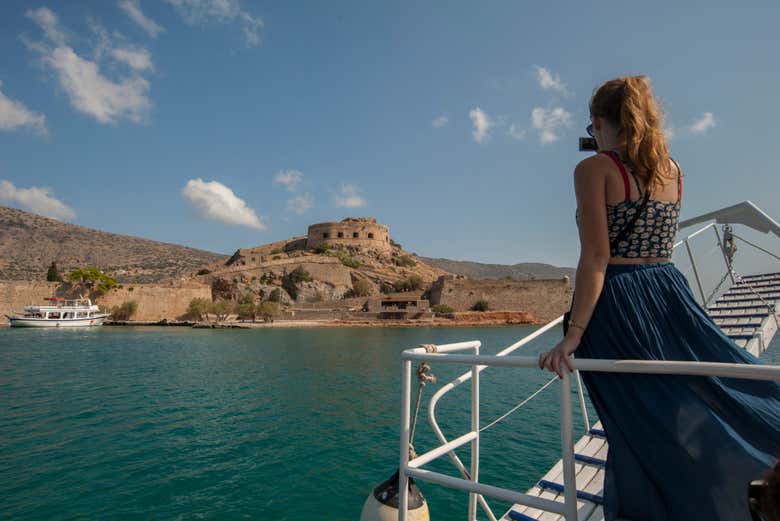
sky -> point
(222, 124)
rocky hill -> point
(29, 243)
(324, 275)
(519, 271)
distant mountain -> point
(520, 271)
(30, 242)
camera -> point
(588, 144)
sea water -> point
(178, 423)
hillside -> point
(30, 242)
(520, 271)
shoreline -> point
(299, 324)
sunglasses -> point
(589, 130)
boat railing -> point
(745, 213)
(447, 354)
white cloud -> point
(349, 197)
(35, 199)
(549, 122)
(515, 132)
(14, 115)
(137, 59)
(218, 202)
(300, 204)
(549, 81)
(482, 124)
(440, 121)
(290, 179)
(669, 131)
(224, 12)
(133, 10)
(701, 125)
(89, 90)
(47, 21)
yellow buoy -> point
(382, 503)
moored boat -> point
(60, 313)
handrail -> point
(568, 508)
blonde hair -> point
(628, 103)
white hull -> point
(52, 322)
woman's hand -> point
(555, 358)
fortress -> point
(364, 232)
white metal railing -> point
(444, 355)
(470, 481)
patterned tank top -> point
(654, 230)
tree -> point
(222, 309)
(92, 277)
(246, 308)
(442, 309)
(52, 275)
(199, 308)
(268, 310)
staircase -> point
(747, 312)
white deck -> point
(590, 478)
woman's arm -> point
(590, 189)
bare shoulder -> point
(592, 168)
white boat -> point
(60, 313)
(746, 309)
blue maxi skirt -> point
(680, 447)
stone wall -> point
(365, 233)
(544, 299)
(325, 269)
(155, 302)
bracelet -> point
(574, 324)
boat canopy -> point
(745, 213)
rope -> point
(516, 407)
(423, 376)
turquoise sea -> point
(176, 423)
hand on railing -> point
(555, 358)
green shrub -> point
(291, 280)
(386, 287)
(349, 261)
(411, 283)
(480, 305)
(442, 308)
(275, 295)
(321, 248)
(124, 311)
(204, 271)
(404, 261)
(277, 250)
(395, 244)
(361, 288)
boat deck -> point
(591, 454)
(745, 313)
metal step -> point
(587, 496)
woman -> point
(680, 447)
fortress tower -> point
(355, 231)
